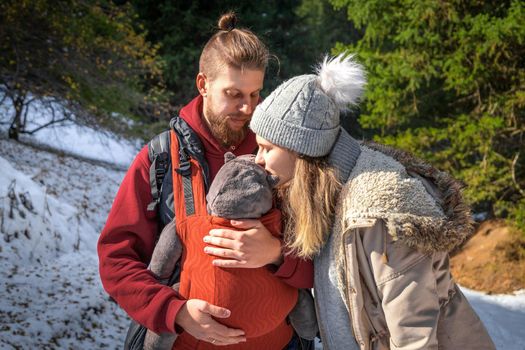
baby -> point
(259, 302)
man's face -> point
(229, 101)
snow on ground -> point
(52, 208)
(503, 316)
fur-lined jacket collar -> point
(392, 185)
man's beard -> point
(219, 129)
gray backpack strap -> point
(159, 156)
(185, 170)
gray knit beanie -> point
(242, 189)
(302, 114)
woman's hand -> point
(195, 317)
(253, 247)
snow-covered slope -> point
(52, 209)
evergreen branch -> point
(513, 169)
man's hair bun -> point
(227, 21)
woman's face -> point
(276, 160)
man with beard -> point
(231, 76)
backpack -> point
(160, 172)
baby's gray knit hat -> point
(302, 114)
(242, 189)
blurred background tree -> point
(83, 57)
(447, 82)
(297, 32)
(102, 59)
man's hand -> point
(251, 248)
(196, 319)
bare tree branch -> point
(53, 121)
(513, 169)
(23, 120)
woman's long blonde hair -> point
(309, 201)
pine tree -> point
(447, 81)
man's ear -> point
(202, 84)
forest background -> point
(446, 78)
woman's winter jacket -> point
(382, 281)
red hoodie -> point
(127, 241)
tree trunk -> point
(16, 127)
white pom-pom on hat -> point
(342, 78)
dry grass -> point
(493, 260)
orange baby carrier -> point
(259, 302)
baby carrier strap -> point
(189, 193)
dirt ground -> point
(492, 261)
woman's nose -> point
(259, 159)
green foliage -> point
(297, 32)
(447, 81)
(87, 54)
(517, 213)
